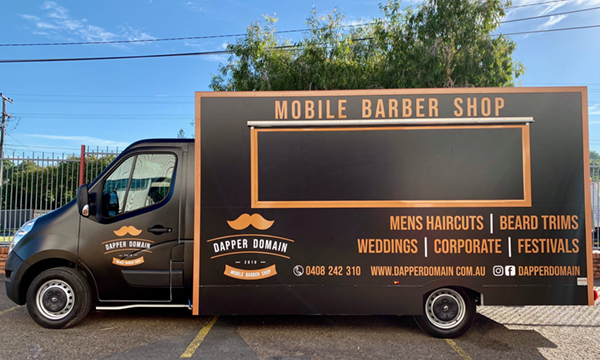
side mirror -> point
(110, 203)
(82, 200)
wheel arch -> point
(48, 260)
(473, 289)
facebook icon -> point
(510, 270)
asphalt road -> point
(557, 332)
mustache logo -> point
(246, 220)
(131, 230)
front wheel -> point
(59, 298)
(448, 313)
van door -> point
(127, 245)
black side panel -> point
(336, 165)
(188, 272)
(534, 295)
(146, 278)
(310, 300)
(177, 278)
(187, 201)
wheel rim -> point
(55, 299)
(445, 308)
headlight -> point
(21, 232)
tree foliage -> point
(440, 43)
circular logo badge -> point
(298, 270)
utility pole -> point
(3, 129)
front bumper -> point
(15, 268)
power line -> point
(218, 52)
(223, 52)
(202, 53)
(580, 83)
(43, 147)
(204, 37)
(42, 101)
(562, 83)
(127, 41)
(105, 115)
(112, 96)
(549, 15)
(547, 30)
(159, 40)
(542, 3)
(112, 118)
(19, 142)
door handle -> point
(159, 229)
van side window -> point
(115, 187)
(140, 181)
(151, 180)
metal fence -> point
(595, 193)
(33, 184)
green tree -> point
(440, 43)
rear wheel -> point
(59, 298)
(448, 313)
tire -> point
(448, 313)
(59, 298)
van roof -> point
(146, 142)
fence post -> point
(82, 166)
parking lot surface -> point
(531, 332)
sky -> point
(59, 106)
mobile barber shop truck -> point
(421, 202)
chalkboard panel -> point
(396, 167)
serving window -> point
(393, 167)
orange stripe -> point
(253, 166)
(197, 189)
(323, 204)
(588, 196)
(429, 127)
(526, 165)
(438, 91)
(389, 203)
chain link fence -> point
(35, 183)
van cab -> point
(141, 204)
